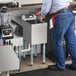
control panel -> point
(7, 33)
(29, 16)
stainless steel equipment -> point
(5, 23)
(7, 32)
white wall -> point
(4, 1)
(21, 2)
(71, 0)
(28, 1)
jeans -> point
(64, 27)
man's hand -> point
(38, 13)
(42, 18)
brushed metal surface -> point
(8, 59)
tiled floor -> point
(25, 64)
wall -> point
(4, 1)
(21, 2)
(71, 0)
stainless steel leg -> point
(36, 50)
(19, 54)
(24, 53)
(43, 53)
(31, 57)
(8, 73)
(0, 73)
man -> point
(63, 27)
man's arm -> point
(46, 7)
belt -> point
(63, 10)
